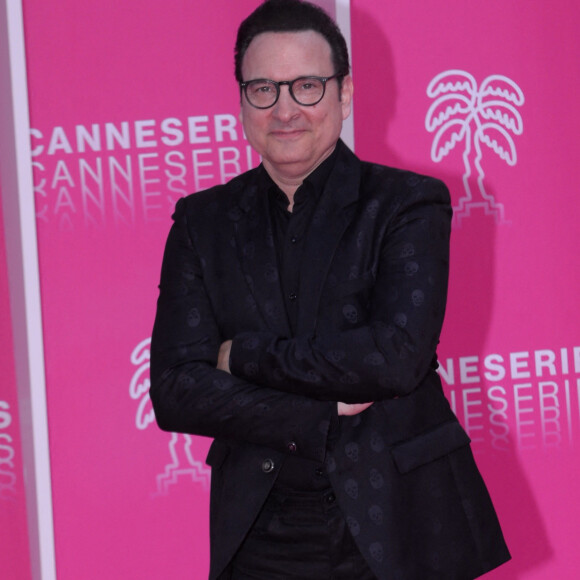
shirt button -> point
(330, 498)
(292, 295)
(293, 239)
(292, 447)
(319, 472)
(267, 466)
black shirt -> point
(290, 231)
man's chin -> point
(287, 153)
(287, 160)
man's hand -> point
(223, 362)
(354, 409)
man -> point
(299, 312)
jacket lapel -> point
(331, 218)
(257, 255)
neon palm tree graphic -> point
(487, 115)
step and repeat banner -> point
(133, 104)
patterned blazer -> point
(371, 303)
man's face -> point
(293, 139)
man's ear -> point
(346, 91)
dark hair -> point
(291, 16)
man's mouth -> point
(287, 133)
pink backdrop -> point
(510, 353)
(122, 127)
(13, 528)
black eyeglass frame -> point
(278, 84)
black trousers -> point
(300, 536)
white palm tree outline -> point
(183, 462)
(487, 115)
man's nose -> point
(286, 107)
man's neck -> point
(288, 185)
(289, 182)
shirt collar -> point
(312, 187)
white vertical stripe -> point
(343, 21)
(22, 259)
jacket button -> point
(292, 447)
(267, 465)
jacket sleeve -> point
(190, 395)
(387, 350)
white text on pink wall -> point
(122, 173)
(530, 399)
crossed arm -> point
(194, 390)
(343, 409)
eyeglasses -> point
(306, 91)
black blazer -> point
(371, 303)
